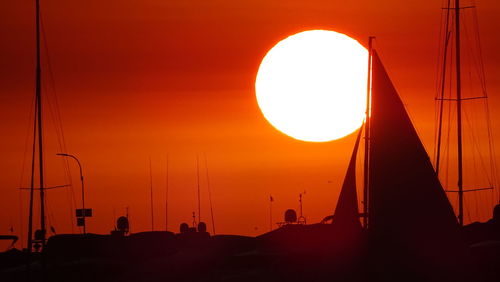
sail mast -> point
(367, 135)
(38, 89)
(459, 114)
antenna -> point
(194, 219)
(151, 188)
(166, 201)
(198, 182)
(209, 195)
(271, 200)
(300, 203)
(302, 219)
(128, 217)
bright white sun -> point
(312, 85)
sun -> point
(312, 85)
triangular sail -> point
(346, 212)
(409, 213)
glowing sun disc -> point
(312, 85)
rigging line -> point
(491, 147)
(480, 51)
(23, 167)
(450, 111)
(476, 147)
(26, 142)
(474, 60)
(56, 114)
(442, 90)
(32, 184)
(56, 117)
(439, 51)
(21, 216)
(209, 194)
(486, 104)
(448, 138)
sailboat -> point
(411, 223)
(412, 230)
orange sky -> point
(140, 79)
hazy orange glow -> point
(146, 79)
(312, 85)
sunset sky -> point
(136, 80)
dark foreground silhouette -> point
(293, 252)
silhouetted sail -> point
(410, 217)
(346, 212)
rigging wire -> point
(23, 167)
(482, 157)
(55, 115)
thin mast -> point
(38, 94)
(32, 192)
(166, 201)
(271, 200)
(459, 114)
(367, 135)
(151, 198)
(210, 195)
(443, 83)
(198, 182)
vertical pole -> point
(83, 198)
(166, 201)
(300, 204)
(443, 83)
(271, 212)
(367, 136)
(151, 194)
(83, 189)
(210, 195)
(459, 115)
(38, 90)
(39, 118)
(32, 194)
(198, 182)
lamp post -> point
(83, 189)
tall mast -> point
(441, 95)
(38, 95)
(38, 114)
(367, 135)
(459, 114)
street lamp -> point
(83, 189)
